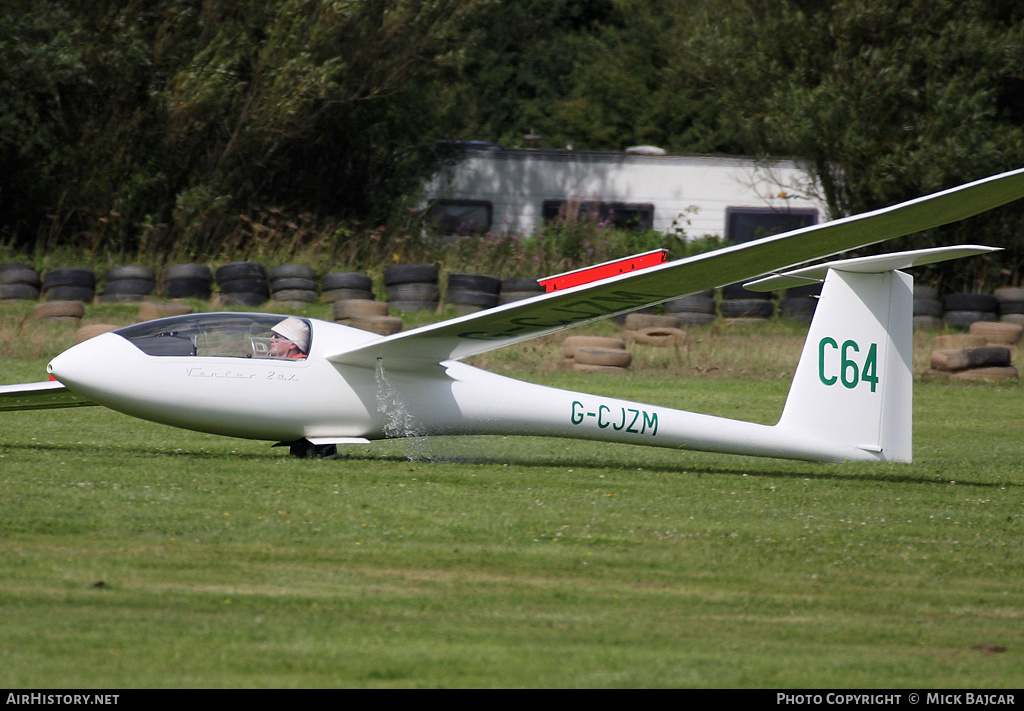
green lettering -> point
(652, 420)
(577, 417)
(821, 360)
(870, 371)
(848, 366)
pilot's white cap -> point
(295, 330)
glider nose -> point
(83, 366)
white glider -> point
(850, 398)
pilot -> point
(290, 340)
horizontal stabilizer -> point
(876, 264)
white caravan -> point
(516, 190)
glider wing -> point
(39, 396)
(548, 313)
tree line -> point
(154, 127)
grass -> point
(133, 555)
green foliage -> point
(170, 128)
(153, 126)
(887, 101)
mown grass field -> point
(135, 555)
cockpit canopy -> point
(232, 335)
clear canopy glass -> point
(232, 335)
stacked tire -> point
(1011, 304)
(293, 284)
(187, 281)
(412, 287)
(69, 284)
(472, 292)
(366, 315)
(19, 282)
(60, 311)
(800, 303)
(518, 288)
(978, 362)
(742, 306)
(962, 309)
(341, 286)
(243, 284)
(660, 330)
(127, 284)
(927, 308)
(693, 310)
(596, 354)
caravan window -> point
(624, 215)
(461, 217)
(743, 224)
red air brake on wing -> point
(587, 275)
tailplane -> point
(854, 383)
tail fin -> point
(854, 380)
(854, 383)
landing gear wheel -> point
(304, 449)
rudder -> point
(854, 382)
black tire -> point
(7, 266)
(797, 292)
(736, 291)
(330, 296)
(69, 276)
(21, 275)
(130, 272)
(695, 303)
(243, 286)
(346, 280)
(474, 282)
(70, 293)
(798, 308)
(971, 302)
(1011, 307)
(187, 288)
(410, 274)
(518, 284)
(135, 287)
(283, 283)
(291, 271)
(197, 272)
(963, 319)
(414, 291)
(303, 295)
(240, 270)
(925, 292)
(19, 292)
(747, 308)
(507, 297)
(927, 307)
(479, 299)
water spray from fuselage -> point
(398, 421)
